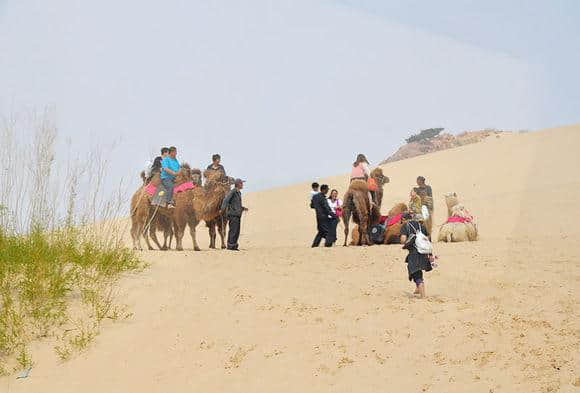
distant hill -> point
(438, 142)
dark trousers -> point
(234, 231)
(323, 225)
(331, 238)
(168, 184)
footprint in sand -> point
(238, 357)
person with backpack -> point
(414, 237)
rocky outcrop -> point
(440, 142)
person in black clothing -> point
(215, 164)
(324, 215)
(416, 262)
(232, 207)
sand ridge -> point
(501, 316)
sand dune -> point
(501, 316)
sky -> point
(286, 91)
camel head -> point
(380, 178)
(196, 176)
(217, 178)
(184, 174)
(451, 200)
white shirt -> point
(334, 205)
(312, 193)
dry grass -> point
(60, 257)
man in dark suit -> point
(323, 217)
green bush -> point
(424, 135)
(39, 275)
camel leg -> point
(153, 235)
(146, 237)
(192, 226)
(345, 220)
(212, 235)
(179, 231)
(139, 232)
(222, 229)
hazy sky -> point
(286, 90)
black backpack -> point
(378, 234)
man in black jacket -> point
(232, 205)
(323, 216)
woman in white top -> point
(335, 205)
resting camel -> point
(460, 226)
(199, 204)
(357, 205)
(392, 232)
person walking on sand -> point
(169, 169)
(233, 208)
(323, 216)
(216, 165)
(416, 262)
(335, 205)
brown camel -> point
(140, 212)
(392, 233)
(199, 204)
(357, 205)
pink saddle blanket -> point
(184, 187)
(391, 220)
(459, 219)
(150, 189)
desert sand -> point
(502, 313)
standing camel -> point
(199, 204)
(357, 205)
(140, 212)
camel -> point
(392, 232)
(199, 204)
(140, 212)
(357, 205)
(450, 200)
(460, 226)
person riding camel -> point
(216, 165)
(361, 171)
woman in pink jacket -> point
(360, 168)
(361, 171)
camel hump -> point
(359, 185)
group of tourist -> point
(168, 167)
(417, 220)
(328, 212)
